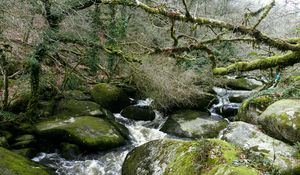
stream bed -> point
(110, 162)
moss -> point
(14, 164)
(69, 151)
(241, 84)
(233, 170)
(77, 108)
(86, 131)
(179, 157)
(110, 97)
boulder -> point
(26, 152)
(251, 108)
(86, 131)
(14, 164)
(250, 137)
(180, 157)
(110, 97)
(282, 120)
(71, 107)
(138, 113)
(243, 84)
(193, 124)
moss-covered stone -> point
(251, 108)
(70, 107)
(85, 131)
(250, 138)
(26, 152)
(15, 164)
(282, 120)
(243, 84)
(233, 170)
(138, 113)
(193, 124)
(179, 157)
(110, 97)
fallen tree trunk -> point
(288, 59)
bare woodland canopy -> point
(129, 29)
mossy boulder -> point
(138, 113)
(251, 108)
(179, 157)
(86, 131)
(14, 164)
(193, 124)
(71, 107)
(26, 152)
(243, 84)
(251, 138)
(233, 170)
(110, 97)
(282, 120)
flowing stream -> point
(110, 162)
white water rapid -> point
(110, 162)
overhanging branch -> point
(288, 59)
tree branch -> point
(259, 36)
(288, 59)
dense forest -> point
(179, 87)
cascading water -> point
(110, 162)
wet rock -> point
(243, 84)
(179, 157)
(86, 131)
(193, 124)
(282, 120)
(138, 113)
(14, 164)
(228, 110)
(250, 137)
(69, 151)
(110, 97)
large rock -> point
(251, 108)
(14, 164)
(138, 113)
(24, 141)
(178, 157)
(193, 124)
(85, 131)
(243, 84)
(71, 107)
(250, 137)
(77, 95)
(282, 120)
(110, 97)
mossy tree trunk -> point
(4, 68)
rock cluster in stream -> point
(261, 140)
